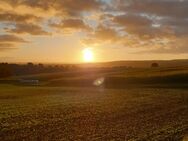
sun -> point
(88, 55)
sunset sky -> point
(60, 30)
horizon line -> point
(95, 62)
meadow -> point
(130, 105)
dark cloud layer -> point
(12, 17)
(71, 24)
(102, 34)
(69, 7)
(153, 21)
(172, 13)
(27, 28)
(168, 8)
(131, 23)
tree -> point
(154, 65)
(29, 64)
(5, 70)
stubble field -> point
(69, 113)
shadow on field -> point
(174, 81)
(112, 78)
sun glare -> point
(88, 55)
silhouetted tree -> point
(29, 64)
(40, 65)
(154, 65)
(5, 70)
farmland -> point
(131, 104)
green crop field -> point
(75, 113)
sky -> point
(59, 30)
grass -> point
(70, 113)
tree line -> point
(7, 70)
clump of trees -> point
(7, 70)
(154, 65)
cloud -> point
(171, 14)
(131, 23)
(168, 8)
(65, 7)
(177, 46)
(6, 46)
(71, 24)
(76, 8)
(11, 38)
(102, 34)
(27, 28)
(30, 17)
(8, 41)
(106, 33)
(135, 24)
(130, 19)
(13, 17)
(148, 24)
(71, 13)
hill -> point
(139, 64)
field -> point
(118, 77)
(131, 105)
